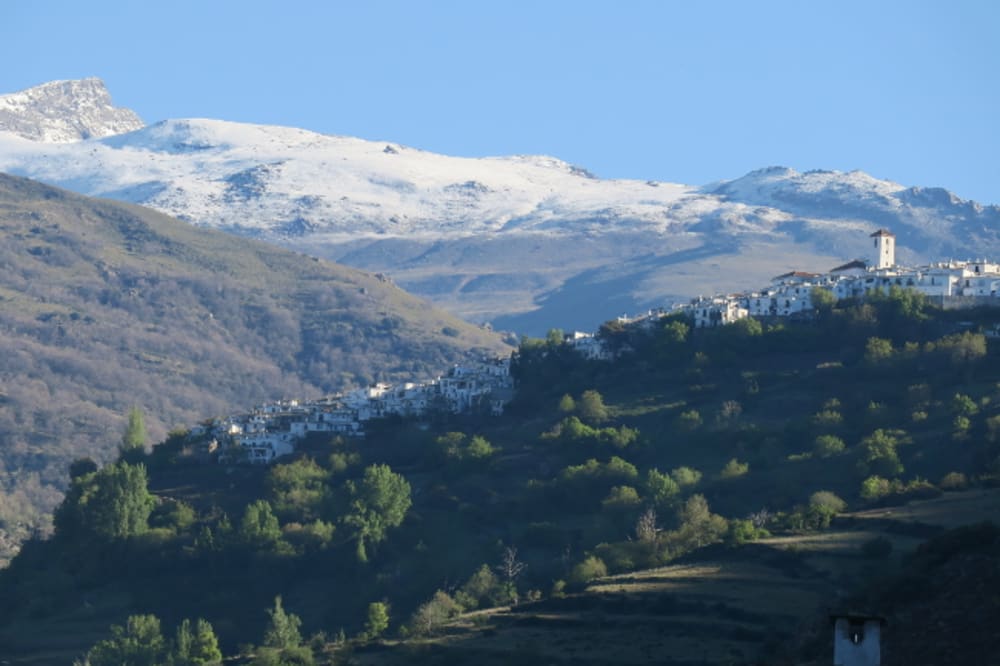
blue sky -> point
(689, 92)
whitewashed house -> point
(588, 346)
(717, 311)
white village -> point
(951, 284)
(273, 429)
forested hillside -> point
(742, 447)
(104, 306)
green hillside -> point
(705, 499)
(104, 306)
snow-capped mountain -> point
(63, 111)
(526, 242)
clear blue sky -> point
(682, 91)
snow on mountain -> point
(277, 181)
(64, 111)
(526, 242)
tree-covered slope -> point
(105, 305)
(697, 488)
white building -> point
(588, 346)
(717, 311)
(272, 430)
(884, 246)
(857, 640)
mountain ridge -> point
(65, 111)
(504, 239)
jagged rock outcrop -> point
(65, 111)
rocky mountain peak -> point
(65, 111)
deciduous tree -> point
(378, 502)
(138, 643)
(591, 407)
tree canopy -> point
(112, 503)
(378, 502)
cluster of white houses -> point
(950, 284)
(273, 429)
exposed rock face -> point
(65, 111)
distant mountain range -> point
(524, 242)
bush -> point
(953, 481)
(823, 506)
(742, 531)
(874, 488)
(827, 500)
(689, 420)
(734, 468)
(586, 571)
(621, 498)
(482, 588)
(827, 418)
(660, 488)
(432, 614)
(826, 446)
(685, 476)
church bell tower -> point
(885, 249)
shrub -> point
(963, 405)
(826, 499)
(432, 614)
(584, 572)
(874, 488)
(685, 476)
(827, 418)
(480, 589)
(621, 497)
(953, 481)
(591, 407)
(689, 420)
(826, 446)
(878, 350)
(660, 488)
(734, 468)
(741, 531)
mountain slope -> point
(719, 431)
(64, 111)
(526, 242)
(105, 305)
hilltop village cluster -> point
(273, 429)
(951, 284)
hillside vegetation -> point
(104, 306)
(698, 501)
